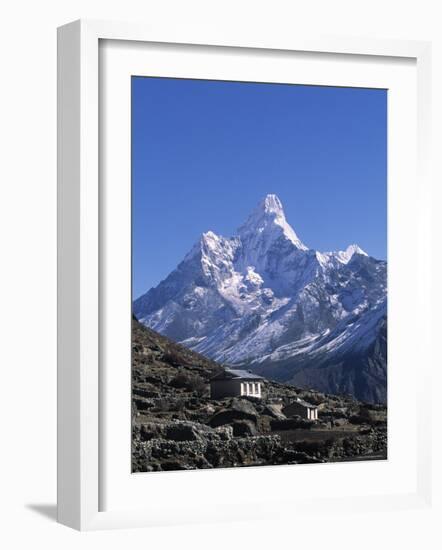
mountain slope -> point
(264, 299)
(350, 360)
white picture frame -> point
(80, 264)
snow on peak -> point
(208, 242)
(344, 256)
(328, 259)
(272, 205)
(209, 237)
(269, 219)
(215, 247)
(354, 249)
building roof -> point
(303, 403)
(237, 374)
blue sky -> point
(204, 153)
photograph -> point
(222, 270)
(259, 274)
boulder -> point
(150, 431)
(239, 409)
(243, 405)
(186, 431)
(224, 432)
(207, 409)
(274, 411)
(243, 428)
(142, 404)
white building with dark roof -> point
(236, 383)
(302, 408)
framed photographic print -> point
(255, 348)
(238, 313)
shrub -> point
(180, 380)
(186, 381)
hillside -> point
(176, 425)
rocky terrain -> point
(265, 301)
(177, 426)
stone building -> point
(299, 407)
(236, 383)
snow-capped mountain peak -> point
(210, 242)
(330, 259)
(272, 205)
(209, 245)
(354, 249)
(263, 299)
(268, 222)
(344, 256)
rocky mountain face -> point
(176, 425)
(264, 300)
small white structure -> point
(299, 407)
(235, 383)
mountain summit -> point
(268, 221)
(264, 299)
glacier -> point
(265, 300)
